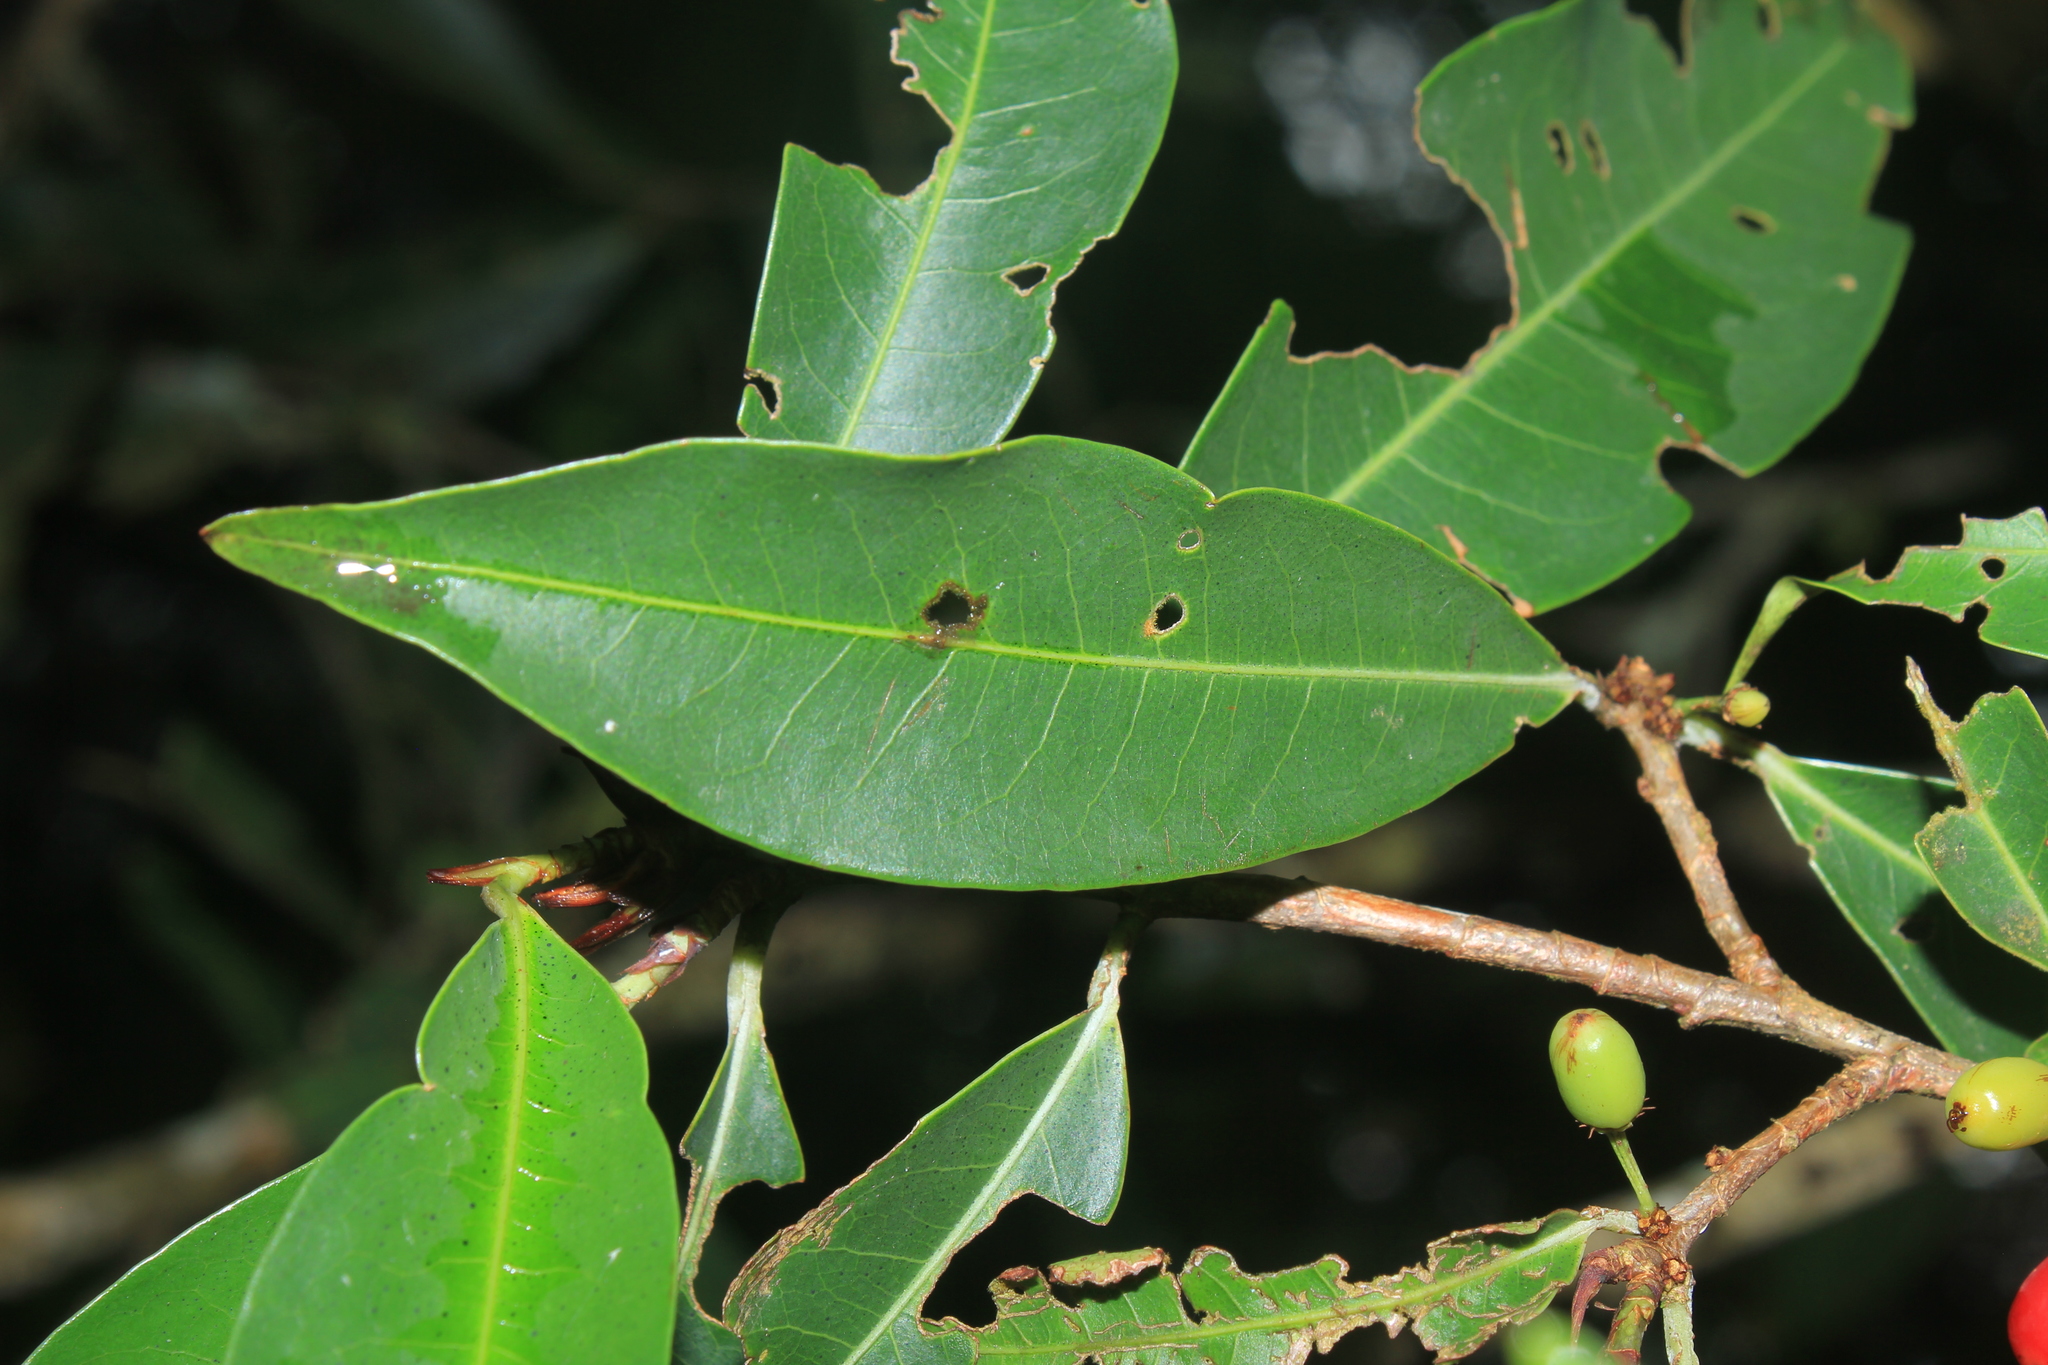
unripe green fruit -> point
(2000, 1104)
(1599, 1072)
(1745, 706)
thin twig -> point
(1636, 700)
(1696, 997)
(1863, 1082)
(1655, 1265)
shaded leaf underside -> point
(1857, 825)
(1055, 665)
(1693, 266)
(743, 1131)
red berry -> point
(2028, 1325)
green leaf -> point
(844, 1284)
(743, 1131)
(2000, 564)
(1988, 854)
(179, 1305)
(950, 670)
(2038, 1049)
(1857, 825)
(1786, 596)
(892, 323)
(1693, 266)
(518, 1207)
(1471, 1285)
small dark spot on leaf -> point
(1560, 146)
(769, 389)
(951, 613)
(1596, 151)
(1025, 278)
(1189, 540)
(1768, 18)
(948, 608)
(1167, 617)
(1993, 568)
(1753, 220)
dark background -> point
(258, 252)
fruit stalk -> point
(1627, 1159)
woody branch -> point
(1636, 700)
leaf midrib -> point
(1442, 1287)
(517, 935)
(1557, 681)
(940, 183)
(1780, 767)
(1977, 813)
(994, 1190)
(1522, 329)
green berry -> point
(1599, 1072)
(2000, 1104)
(1745, 706)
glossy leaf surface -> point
(1857, 825)
(1693, 266)
(1989, 854)
(843, 1286)
(918, 324)
(179, 1305)
(1471, 1285)
(519, 1206)
(743, 1131)
(1053, 665)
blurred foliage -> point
(262, 253)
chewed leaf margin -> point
(1988, 853)
(2000, 565)
(1469, 1286)
(1694, 265)
(916, 323)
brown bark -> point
(1637, 701)
(1697, 997)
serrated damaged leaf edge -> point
(1973, 810)
(1788, 594)
(756, 1280)
(1509, 336)
(1376, 1301)
(934, 189)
